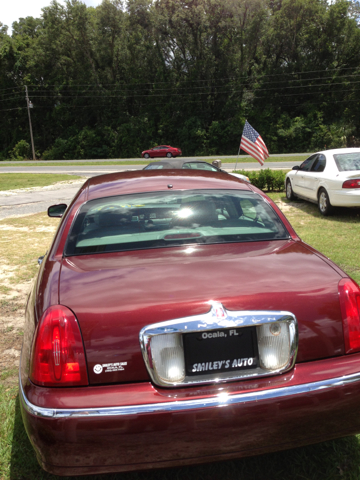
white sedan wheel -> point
(289, 191)
(324, 204)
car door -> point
(299, 180)
(311, 179)
(162, 150)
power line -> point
(134, 86)
(223, 78)
(9, 109)
(10, 88)
(129, 89)
(153, 92)
(150, 105)
(234, 77)
(229, 91)
(13, 98)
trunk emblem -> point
(218, 310)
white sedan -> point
(330, 179)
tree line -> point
(111, 81)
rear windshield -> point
(166, 219)
(347, 162)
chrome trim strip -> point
(185, 405)
(218, 318)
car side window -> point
(319, 164)
(200, 166)
(186, 165)
(206, 166)
(307, 164)
(154, 167)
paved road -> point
(92, 170)
(38, 200)
(35, 201)
(125, 160)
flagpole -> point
(238, 151)
(237, 157)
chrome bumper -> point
(221, 400)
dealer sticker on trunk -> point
(109, 367)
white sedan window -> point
(307, 164)
(347, 162)
(319, 164)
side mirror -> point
(57, 210)
(216, 163)
(296, 167)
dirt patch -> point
(288, 206)
(6, 228)
(12, 307)
(23, 240)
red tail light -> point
(349, 293)
(58, 356)
(353, 183)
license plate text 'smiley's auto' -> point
(220, 351)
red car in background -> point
(161, 151)
(177, 318)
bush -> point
(279, 180)
(20, 151)
(267, 180)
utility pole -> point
(30, 105)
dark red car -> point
(161, 151)
(178, 319)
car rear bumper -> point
(315, 402)
(345, 197)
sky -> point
(12, 10)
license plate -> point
(215, 351)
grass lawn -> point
(13, 181)
(336, 237)
(242, 159)
(65, 163)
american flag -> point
(253, 144)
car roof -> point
(141, 181)
(340, 150)
(176, 163)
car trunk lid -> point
(115, 295)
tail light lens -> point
(58, 356)
(349, 293)
(353, 183)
